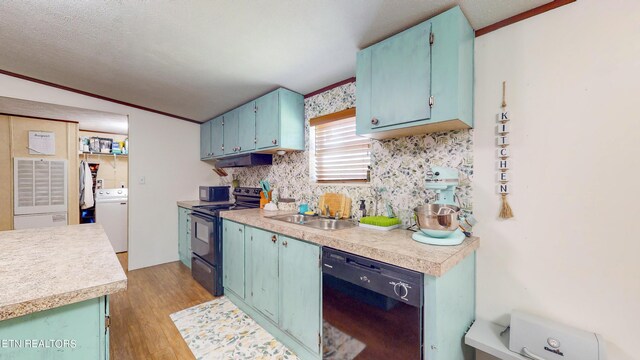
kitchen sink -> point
(316, 222)
(330, 224)
(294, 218)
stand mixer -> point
(438, 222)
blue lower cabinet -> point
(184, 236)
(283, 288)
(301, 292)
(233, 258)
(264, 272)
(449, 311)
(74, 331)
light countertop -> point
(189, 204)
(45, 268)
(394, 247)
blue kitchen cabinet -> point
(233, 258)
(230, 131)
(217, 137)
(449, 310)
(184, 236)
(83, 325)
(205, 141)
(263, 265)
(301, 292)
(417, 81)
(247, 127)
(272, 122)
(284, 288)
(279, 121)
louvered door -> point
(40, 185)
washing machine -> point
(112, 213)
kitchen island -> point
(272, 271)
(54, 287)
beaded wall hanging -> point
(503, 163)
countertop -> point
(394, 247)
(189, 204)
(45, 268)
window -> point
(337, 154)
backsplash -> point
(398, 166)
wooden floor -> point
(140, 323)
(141, 327)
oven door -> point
(205, 237)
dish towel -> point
(86, 186)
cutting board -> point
(335, 202)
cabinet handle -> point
(274, 141)
(374, 121)
(285, 243)
(239, 148)
(274, 239)
(240, 229)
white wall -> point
(164, 150)
(572, 251)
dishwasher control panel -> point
(392, 281)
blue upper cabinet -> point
(217, 137)
(272, 122)
(417, 81)
(205, 141)
(231, 130)
(247, 127)
(280, 121)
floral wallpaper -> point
(398, 166)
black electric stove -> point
(206, 237)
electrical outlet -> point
(142, 180)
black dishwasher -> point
(375, 303)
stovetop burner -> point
(246, 198)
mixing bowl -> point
(437, 220)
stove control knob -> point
(400, 289)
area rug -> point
(219, 330)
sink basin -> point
(315, 222)
(293, 218)
(330, 224)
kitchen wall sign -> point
(503, 163)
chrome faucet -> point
(326, 211)
(337, 215)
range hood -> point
(245, 160)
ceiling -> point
(98, 121)
(198, 59)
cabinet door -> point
(230, 131)
(401, 78)
(233, 242)
(205, 140)
(301, 291)
(247, 127)
(217, 137)
(268, 121)
(184, 236)
(264, 273)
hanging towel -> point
(86, 186)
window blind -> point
(338, 153)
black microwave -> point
(214, 193)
